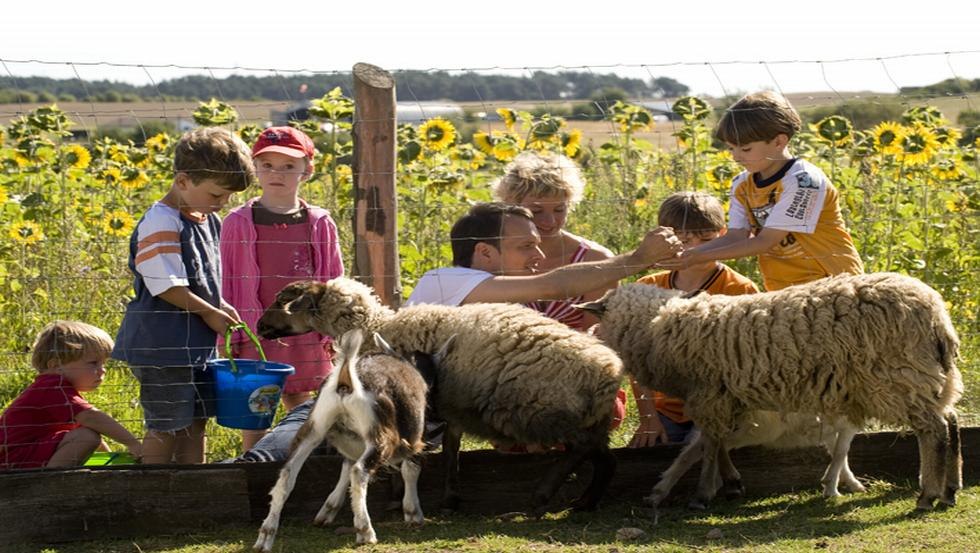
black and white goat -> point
(372, 410)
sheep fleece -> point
(868, 346)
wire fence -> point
(75, 179)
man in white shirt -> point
(496, 254)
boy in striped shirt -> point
(170, 326)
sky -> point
(713, 47)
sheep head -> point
(630, 302)
(331, 308)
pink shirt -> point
(250, 289)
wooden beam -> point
(375, 198)
(129, 501)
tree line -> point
(412, 86)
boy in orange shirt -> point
(697, 218)
(783, 209)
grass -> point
(878, 520)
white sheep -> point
(877, 346)
(371, 409)
(512, 375)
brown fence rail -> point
(121, 502)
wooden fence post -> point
(375, 198)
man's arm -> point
(181, 296)
(578, 278)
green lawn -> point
(878, 520)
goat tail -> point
(350, 345)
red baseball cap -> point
(284, 140)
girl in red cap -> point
(271, 241)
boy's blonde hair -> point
(692, 211)
(217, 154)
(544, 174)
(67, 341)
(758, 117)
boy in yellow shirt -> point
(782, 208)
(697, 219)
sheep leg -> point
(708, 482)
(603, 469)
(287, 479)
(838, 460)
(328, 512)
(954, 461)
(450, 454)
(686, 459)
(731, 480)
(411, 506)
(933, 437)
(360, 475)
(572, 459)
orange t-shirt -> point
(800, 200)
(724, 281)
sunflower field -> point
(909, 191)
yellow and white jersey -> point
(800, 200)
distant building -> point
(407, 112)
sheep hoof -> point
(697, 504)
(264, 543)
(924, 503)
(367, 536)
(948, 498)
(734, 489)
(654, 499)
(855, 487)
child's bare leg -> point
(75, 447)
(158, 447)
(189, 443)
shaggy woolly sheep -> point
(877, 346)
(372, 410)
(512, 375)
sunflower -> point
(3, 196)
(947, 136)
(437, 133)
(345, 175)
(26, 232)
(834, 129)
(76, 156)
(158, 143)
(111, 175)
(571, 142)
(118, 223)
(888, 137)
(947, 169)
(483, 142)
(919, 145)
(509, 117)
(118, 153)
(134, 179)
(505, 147)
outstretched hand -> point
(658, 245)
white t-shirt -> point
(446, 286)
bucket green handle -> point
(251, 335)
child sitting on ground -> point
(697, 218)
(50, 424)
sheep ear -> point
(597, 307)
(444, 350)
(692, 294)
(384, 345)
(350, 342)
(306, 302)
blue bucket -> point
(247, 391)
